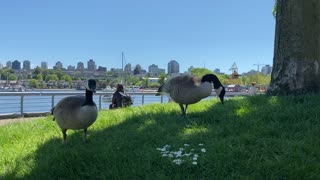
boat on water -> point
(16, 88)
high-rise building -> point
(26, 65)
(91, 65)
(16, 65)
(58, 65)
(266, 69)
(173, 67)
(80, 66)
(154, 70)
(44, 65)
(71, 68)
(9, 65)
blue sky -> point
(205, 33)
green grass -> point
(246, 138)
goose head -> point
(91, 85)
(218, 88)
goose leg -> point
(182, 109)
(85, 130)
(185, 109)
(64, 132)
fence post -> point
(161, 99)
(142, 99)
(100, 99)
(52, 101)
(21, 106)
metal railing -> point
(24, 103)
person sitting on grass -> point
(120, 98)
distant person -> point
(252, 89)
(117, 98)
(120, 98)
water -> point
(11, 104)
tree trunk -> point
(297, 48)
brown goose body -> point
(76, 112)
(70, 113)
(186, 90)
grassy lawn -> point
(246, 138)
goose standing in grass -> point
(186, 90)
(76, 112)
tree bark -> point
(297, 48)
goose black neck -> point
(89, 98)
(212, 79)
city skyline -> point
(211, 34)
(173, 67)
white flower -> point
(170, 155)
(195, 158)
(200, 144)
(203, 150)
(181, 149)
(178, 161)
(187, 154)
(186, 145)
(196, 155)
(163, 155)
(194, 163)
(192, 149)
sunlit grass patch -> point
(247, 137)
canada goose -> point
(76, 112)
(187, 90)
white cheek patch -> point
(87, 85)
(218, 91)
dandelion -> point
(203, 150)
(194, 163)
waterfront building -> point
(8, 65)
(16, 65)
(26, 65)
(44, 65)
(154, 71)
(91, 65)
(80, 66)
(71, 68)
(58, 65)
(173, 67)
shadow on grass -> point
(259, 137)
